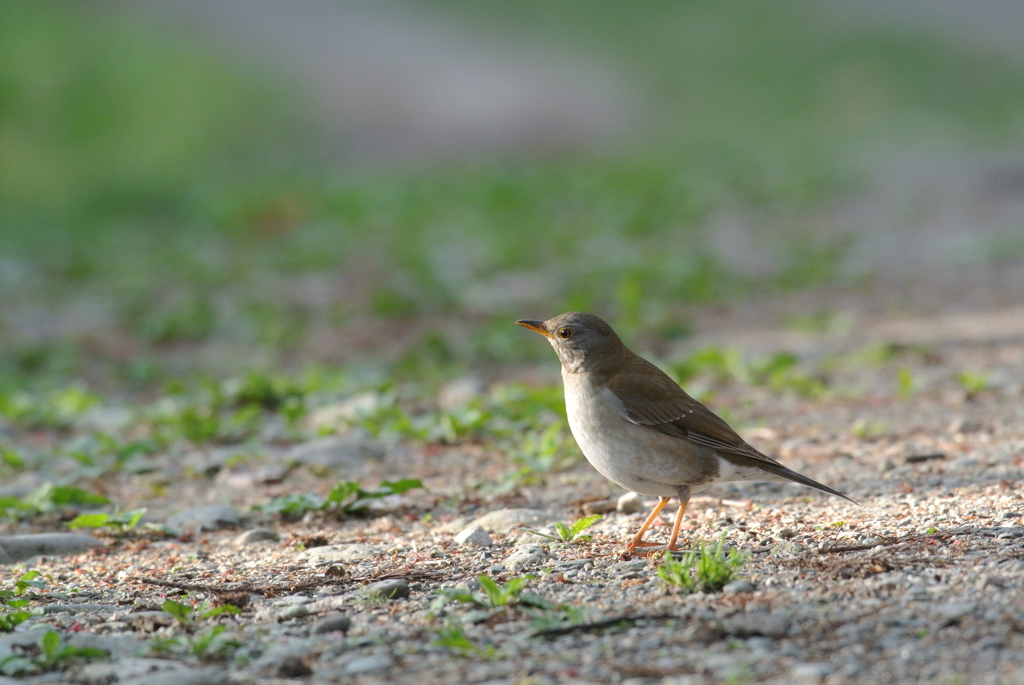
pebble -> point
(964, 425)
(283, 666)
(810, 673)
(952, 613)
(395, 588)
(209, 517)
(293, 611)
(368, 664)
(251, 537)
(474, 536)
(337, 452)
(15, 548)
(148, 621)
(127, 669)
(601, 506)
(528, 556)
(787, 549)
(787, 534)
(631, 568)
(738, 586)
(331, 623)
(191, 676)
(766, 625)
(504, 520)
(629, 503)
(352, 553)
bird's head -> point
(583, 342)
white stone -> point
(474, 536)
(630, 503)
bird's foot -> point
(648, 548)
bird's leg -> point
(684, 499)
(635, 542)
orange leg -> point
(635, 542)
(684, 499)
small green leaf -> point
(49, 644)
(88, 521)
(64, 495)
(564, 532)
(584, 523)
(218, 611)
(342, 490)
(178, 611)
(399, 486)
(494, 594)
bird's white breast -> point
(636, 457)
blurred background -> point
(196, 188)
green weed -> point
(571, 533)
(13, 611)
(53, 655)
(972, 383)
(120, 521)
(707, 568)
(346, 497)
(494, 596)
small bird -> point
(638, 428)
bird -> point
(639, 429)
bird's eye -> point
(565, 333)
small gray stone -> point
(738, 586)
(80, 608)
(504, 520)
(787, 549)
(478, 616)
(810, 673)
(767, 625)
(251, 537)
(22, 547)
(283, 665)
(338, 452)
(188, 676)
(328, 604)
(148, 621)
(952, 613)
(368, 664)
(395, 588)
(631, 568)
(294, 611)
(131, 668)
(209, 517)
(990, 642)
(353, 553)
(528, 556)
(964, 425)
(332, 623)
(474, 536)
(787, 534)
(630, 503)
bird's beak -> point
(535, 326)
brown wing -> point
(652, 399)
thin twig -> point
(599, 625)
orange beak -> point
(535, 326)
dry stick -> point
(228, 588)
(598, 625)
(881, 543)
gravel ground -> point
(920, 583)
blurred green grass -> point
(156, 197)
